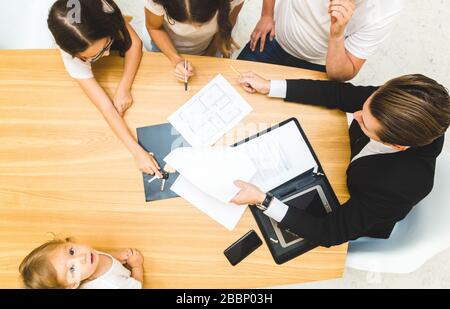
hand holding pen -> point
(183, 71)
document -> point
(226, 214)
(279, 156)
(268, 161)
(212, 169)
(209, 114)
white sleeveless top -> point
(187, 38)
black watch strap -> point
(267, 200)
(266, 203)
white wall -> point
(24, 24)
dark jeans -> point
(273, 53)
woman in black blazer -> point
(406, 118)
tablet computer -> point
(311, 200)
(309, 190)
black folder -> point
(160, 139)
(310, 191)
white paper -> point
(278, 156)
(213, 169)
(209, 114)
(226, 214)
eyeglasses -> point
(101, 53)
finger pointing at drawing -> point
(252, 83)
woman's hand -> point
(249, 194)
(181, 72)
(252, 83)
(135, 259)
(147, 163)
(122, 100)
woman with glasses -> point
(193, 27)
(85, 31)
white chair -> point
(26, 26)
(349, 118)
(424, 233)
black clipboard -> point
(161, 139)
(305, 182)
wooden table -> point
(63, 171)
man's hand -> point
(249, 194)
(341, 11)
(122, 100)
(252, 83)
(265, 25)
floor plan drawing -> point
(211, 113)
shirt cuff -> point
(278, 89)
(277, 210)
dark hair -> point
(202, 11)
(413, 110)
(98, 19)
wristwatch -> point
(266, 203)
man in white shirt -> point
(332, 36)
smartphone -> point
(243, 247)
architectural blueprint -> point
(209, 114)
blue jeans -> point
(273, 53)
(155, 48)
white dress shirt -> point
(277, 209)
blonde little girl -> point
(64, 264)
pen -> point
(185, 75)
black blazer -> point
(383, 188)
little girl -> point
(194, 27)
(63, 264)
(85, 31)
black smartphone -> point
(243, 247)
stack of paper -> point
(207, 174)
(206, 180)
